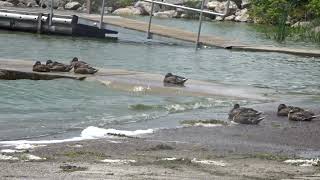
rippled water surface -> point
(40, 108)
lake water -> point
(63, 108)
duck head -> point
(236, 106)
(49, 62)
(281, 106)
(169, 75)
(75, 59)
(37, 63)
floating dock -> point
(133, 81)
(39, 22)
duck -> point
(38, 67)
(75, 63)
(298, 115)
(56, 66)
(244, 115)
(85, 70)
(174, 79)
(283, 110)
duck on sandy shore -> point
(57, 66)
(283, 110)
(298, 115)
(244, 115)
(174, 79)
(38, 67)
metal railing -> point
(201, 11)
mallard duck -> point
(85, 70)
(75, 63)
(283, 110)
(298, 115)
(174, 79)
(244, 115)
(38, 67)
(56, 66)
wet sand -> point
(235, 152)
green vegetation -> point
(210, 121)
(283, 13)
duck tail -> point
(258, 120)
(312, 117)
(81, 78)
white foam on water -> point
(94, 132)
(118, 161)
(25, 146)
(209, 162)
(139, 89)
(207, 125)
(11, 151)
(30, 157)
(169, 159)
(8, 158)
(90, 132)
(303, 162)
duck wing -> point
(247, 119)
(301, 116)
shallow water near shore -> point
(63, 108)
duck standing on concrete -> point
(58, 67)
(298, 115)
(244, 115)
(174, 79)
(38, 67)
(81, 67)
(283, 110)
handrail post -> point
(149, 35)
(102, 14)
(51, 13)
(200, 24)
(88, 2)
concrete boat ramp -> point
(137, 82)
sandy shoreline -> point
(223, 152)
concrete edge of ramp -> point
(133, 81)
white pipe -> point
(191, 9)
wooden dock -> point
(175, 33)
(140, 82)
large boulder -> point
(146, 7)
(72, 6)
(242, 16)
(316, 29)
(301, 24)
(245, 4)
(128, 11)
(213, 4)
(28, 3)
(219, 18)
(5, 4)
(167, 14)
(56, 3)
(230, 18)
(221, 8)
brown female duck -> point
(38, 67)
